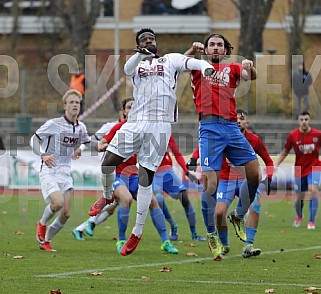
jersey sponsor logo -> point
(220, 78)
(157, 70)
(307, 148)
(70, 140)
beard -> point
(151, 48)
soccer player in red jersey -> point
(305, 142)
(231, 179)
(218, 129)
(166, 180)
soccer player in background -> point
(218, 129)
(56, 142)
(166, 180)
(305, 142)
(148, 128)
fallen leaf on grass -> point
(191, 254)
(269, 291)
(18, 232)
(96, 273)
(311, 289)
(18, 257)
(144, 278)
(318, 256)
(165, 270)
(190, 245)
(55, 291)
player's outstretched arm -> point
(132, 62)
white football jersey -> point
(104, 129)
(60, 138)
(155, 85)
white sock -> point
(82, 227)
(53, 229)
(107, 182)
(101, 217)
(144, 198)
(47, 215)
(110, 206)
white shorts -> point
(148, 139)
(54, 182)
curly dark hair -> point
(146, 30)
(227, 44)
(124, 102)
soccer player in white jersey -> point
(57, 142)
(148, 128)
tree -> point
(298, 11)
(79, 18)
(253, 15)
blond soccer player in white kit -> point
(56, 142)
(148, 128)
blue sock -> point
(250, 235)
(191, 217)
(159, 223)
(223, 235)
(122, 218)
(247, 195)
(313, 207)
(298, 205)
(164, 208)
(208, 207)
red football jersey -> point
(229, 172)
(167, 160)
(215, 95)
(306, 148)
(127, 167)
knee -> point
(160, 198)
(57, 205)
(153, 204)
(67, 215)
(185, 200)
(220, 213)
(107, 169)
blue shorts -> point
(131, 183)
(301, 184)
(217, 137)
(227, 190)
(167, 181)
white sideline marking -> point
(117, 268)
(211, 282)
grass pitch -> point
(287, 263)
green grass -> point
(285, 271)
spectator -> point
(77, 82)
(301, 80)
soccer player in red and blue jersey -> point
(218, 129)
(305, 142)
(166, 180)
